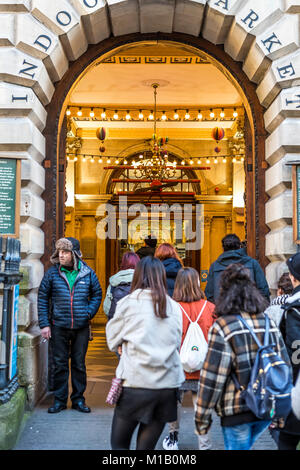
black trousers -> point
(67, 343)
(288, 441)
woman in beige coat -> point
(148, 326)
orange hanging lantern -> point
(218, 133)
(101, 133)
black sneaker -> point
(171, 441)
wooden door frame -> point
(55, 164)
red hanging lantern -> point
(101, 133)
(102, 149)
(218, 133)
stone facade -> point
(39, 39)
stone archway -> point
(43, 43)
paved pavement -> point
(70, 429)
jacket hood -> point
(233, 256)
(292, 301)
(172, 266)
(125, 275)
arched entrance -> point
(254, 135)
(257, 42)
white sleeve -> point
(296, 398)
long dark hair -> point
(150, 274)
(238, 293)
(187, 286)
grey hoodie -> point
(125, 275)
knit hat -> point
(293, 264)
(67, 244)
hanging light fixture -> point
(79, 112)
(151, 116)
(222, 114)
(92, 114)
(68, 112)
(176, 115)
(224, 160)
(164, 117)
(199, 115)
(128, 117)
(116, 116)
(187, 115)
(141, 116)
(103, 114)
(212, 114)
(235, 113)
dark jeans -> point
(69, 343)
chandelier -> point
(155, 167)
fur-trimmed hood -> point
(67, 244)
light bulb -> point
(92, 114)
(174, 164)
(84, 159)
(187, 115)
(224, 160)
(68, 158)
(68, 112)
(176, 115)
(235, 113)
(79, 112)
(103, 114)
(222, 114)
(116, 116)
(242, 159)
(92, 160)
(151, 116)
(100, 160)
(141, 156)
(234, 160)
(208, 160)
(183, 162)
(75, 159)
(191, 162)
(108, 160)
(215, 160)
(199, 162)
(125, 162)
(200, 115)
(141, 116)
(164, 117)
(117, 162)
(128, 117)
(212, 114)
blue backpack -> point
(268, 394)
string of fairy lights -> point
(192, 161)
(139, 114)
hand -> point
(120, 350)
(46, 332)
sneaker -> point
(171, 441)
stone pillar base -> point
(11, 415)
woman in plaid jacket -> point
(231, 348)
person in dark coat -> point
(68, 298)
(233, 253)
(149, 248)
(289, 436)
(172, 263)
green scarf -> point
(71, 275)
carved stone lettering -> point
(268, 43)
(26, 70)
(251, 18)
(43, 37)
(286, 71)
(288, 102)
(90, 3)
(18, 98)
(224, 3)
(63, 18)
